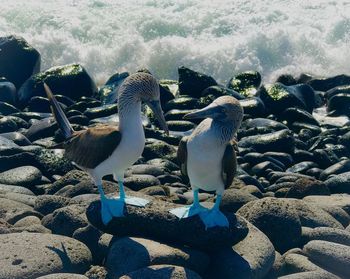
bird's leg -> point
(214, 217)
(188, 211)
(130, 200)
(106, 214)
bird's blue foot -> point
(111, 207)
(213, 218)
(188, 211)
(136, 201)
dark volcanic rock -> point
(234, 199)
(306, 187)
(254, 107)
(139, 253)
(46, 204)
(246, 83)
(183, 103)
(325, 84)
(193, 83)
(30, 255)
(70, 80)
(280, 141)
(7, 92)
(339, 183)
(338, 168)
(7, 125)
(6, 108)
(277, 219)
(18, 60)
(154, 221)
(339, 104)
(140, 181)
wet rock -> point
(338, 168)
(162, 272)
(17, 54)
(30, 255)
(182, 103)
(39, 104)
(252, 257)
(325, 84)
(280, 141)
(339, 105)
(7, 125)
(154, 221)
(7, 91)
(5, 108)
(163, 163)
(327, 234)
(254, 107)
(17, 138)
(21, 176)
(103, 111)
(180, 125)
(193, 83)
(246, 83)
(258, 123)
(277, 219)
(69, 80)
(211, 93)
(41, 129)
(159, 149)
(278, 97)
(298, 115)
(46, 204)
(331, 256)
(139, 253)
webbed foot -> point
(213, 218)
(188, 211)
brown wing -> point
(88, 148)
(182, 155)
(229, 165)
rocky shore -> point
(288, 207)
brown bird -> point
(208, 158)
(107, 149)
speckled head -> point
(226, 110)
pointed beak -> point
(157, 110)
(210, 111)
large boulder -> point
(69, 80)
(156, 222)
(18, 60)
(31, 255)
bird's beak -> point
(157, 110)
(208, 112)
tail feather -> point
(58, 113)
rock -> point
(332, 256)
(180, 125)
(257, 257)
(182, 103)
(21, 176)
(96, 272)
(15, 189)
(7, 125)
(31, 255)
(27, 221)
(212, 92)
(72, 177)
(327, 234)
(69, 80)
(338, 168)
(102, 111)
(306, 187)
(277, 219)
(245, 83)
(63, 276)
(39, 104)
(278, 97)
(310, 275)
(155, 191)
(258, 123)
(325, 84)
(298, 115)
(254, 107)
(139, 253)
(7, 92)
(338, 200)
(193, 83)
(83, 187)
(295, 263)
(147, 169)
(66, 220)
(339, 183)
(17, 54)
(159, 149)
(234, 199)
(140, 181)
(280, 141)
(46, 204)
(17, 138)
(23, 198)
(162, 272)
(339, 105)
(154, 221)
(5, 108)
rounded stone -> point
(31, 255)
(63, 276)
(21, 176)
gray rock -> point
(234, 199)
(162, 272)
(21, 176)
(12, 211)
(277, 219)
(310, 275)
(295, 263)
(306, 187)
(339, 200)
(31, 255)
(147, 169)
(338, 168)
(23, 198)
(129, 254)
(339, 183)
(331, 256)
(326, 234)
(63, 276)
(46, 204)
(140, 181)
(156, 222)
(27, 221)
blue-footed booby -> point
(105, 149)
(208, 158)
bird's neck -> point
(225, 130)
(129, 109)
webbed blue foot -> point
(111, 207)
(213, 218)
(188, 211)
(136, 201)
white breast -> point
(204, 161)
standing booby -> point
(105, 149)
(208, 158)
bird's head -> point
(225, 109)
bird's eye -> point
(223, 110)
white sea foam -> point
(221, 37)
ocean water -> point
(220, 38)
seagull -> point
(208, 157)
(105, 149)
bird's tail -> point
(58, 113)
